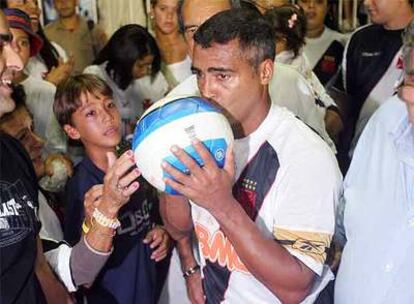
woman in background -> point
(175, 64)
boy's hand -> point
(119, 182)
(158, 237)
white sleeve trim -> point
(59, 260)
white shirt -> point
(36, 66)
(278, 163)
(40, 95)
(316, 47)
(181, 70)
(377, 262)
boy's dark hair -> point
(68, 95)
(127, 45)
(233, 4)
(294, 31)
(255, 36)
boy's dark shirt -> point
(19, 225)
(129, 275)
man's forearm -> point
(288, 278)
(176, 215)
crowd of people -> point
(314, 203)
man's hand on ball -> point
(208, 186)
(119, 181)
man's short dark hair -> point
(68, 95)
(233, 4)
(255, 36)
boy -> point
(85, 109)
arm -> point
(176, 214)
(288, 277)
(54, 291)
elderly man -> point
(378, 223)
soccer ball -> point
(177, 121)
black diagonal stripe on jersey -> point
(334, 52)
(261, 169)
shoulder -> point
(187, 87)
(366, 32)
(81, 180)
(390, 113)
(335, 35)
(297, 144)
(51, 26)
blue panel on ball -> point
(217, 148)
(167, 113)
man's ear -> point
(266, 71)
(72, 132)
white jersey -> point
(288, 182)
(315, 48)
(40, 95)
(36, 66)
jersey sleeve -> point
(306, 198)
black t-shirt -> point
(19, 225)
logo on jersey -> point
(216, 247)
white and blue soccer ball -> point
(177, 121)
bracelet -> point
(102, 220)
(110, 235)
(190, 271)
(85, 227)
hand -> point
(119, 182)
(204, 186)
(333, 124)
(60, 73)
(159, 240)
(92, 200)
(195, 288)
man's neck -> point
(255, 119)
(98, 156)
(401, 20)
(70, 23)
(315, 33)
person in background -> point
(175, 62)
(80, 39)
(130, 64)
(289, 24)
(371, 66)
(51, 63)
(323, 47)
(86, 111)
(39, 93)
(377, 210)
